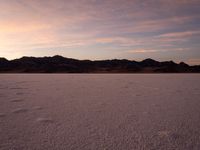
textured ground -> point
(100, 112)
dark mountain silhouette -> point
(59, 64)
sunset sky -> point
(101, 29)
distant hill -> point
(59, 64)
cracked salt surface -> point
(20, 110)
(17, 100)
(44, 120)
(107, 111)
(2, 115)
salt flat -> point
(99, 111)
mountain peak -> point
(58, 56)
(149, 60)
(3, 59)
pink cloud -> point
(183, 34)
(155, 50)
(194, 61)
(143, 51)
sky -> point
(101, 29)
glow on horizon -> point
(92, 29)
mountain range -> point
(59, 64)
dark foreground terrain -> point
(100, 112)
(59, 64)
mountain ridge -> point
(60, 64)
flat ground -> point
(100, 112)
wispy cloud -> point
(183, 34)
(143, 51)
(193, 61)
(155, 50)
